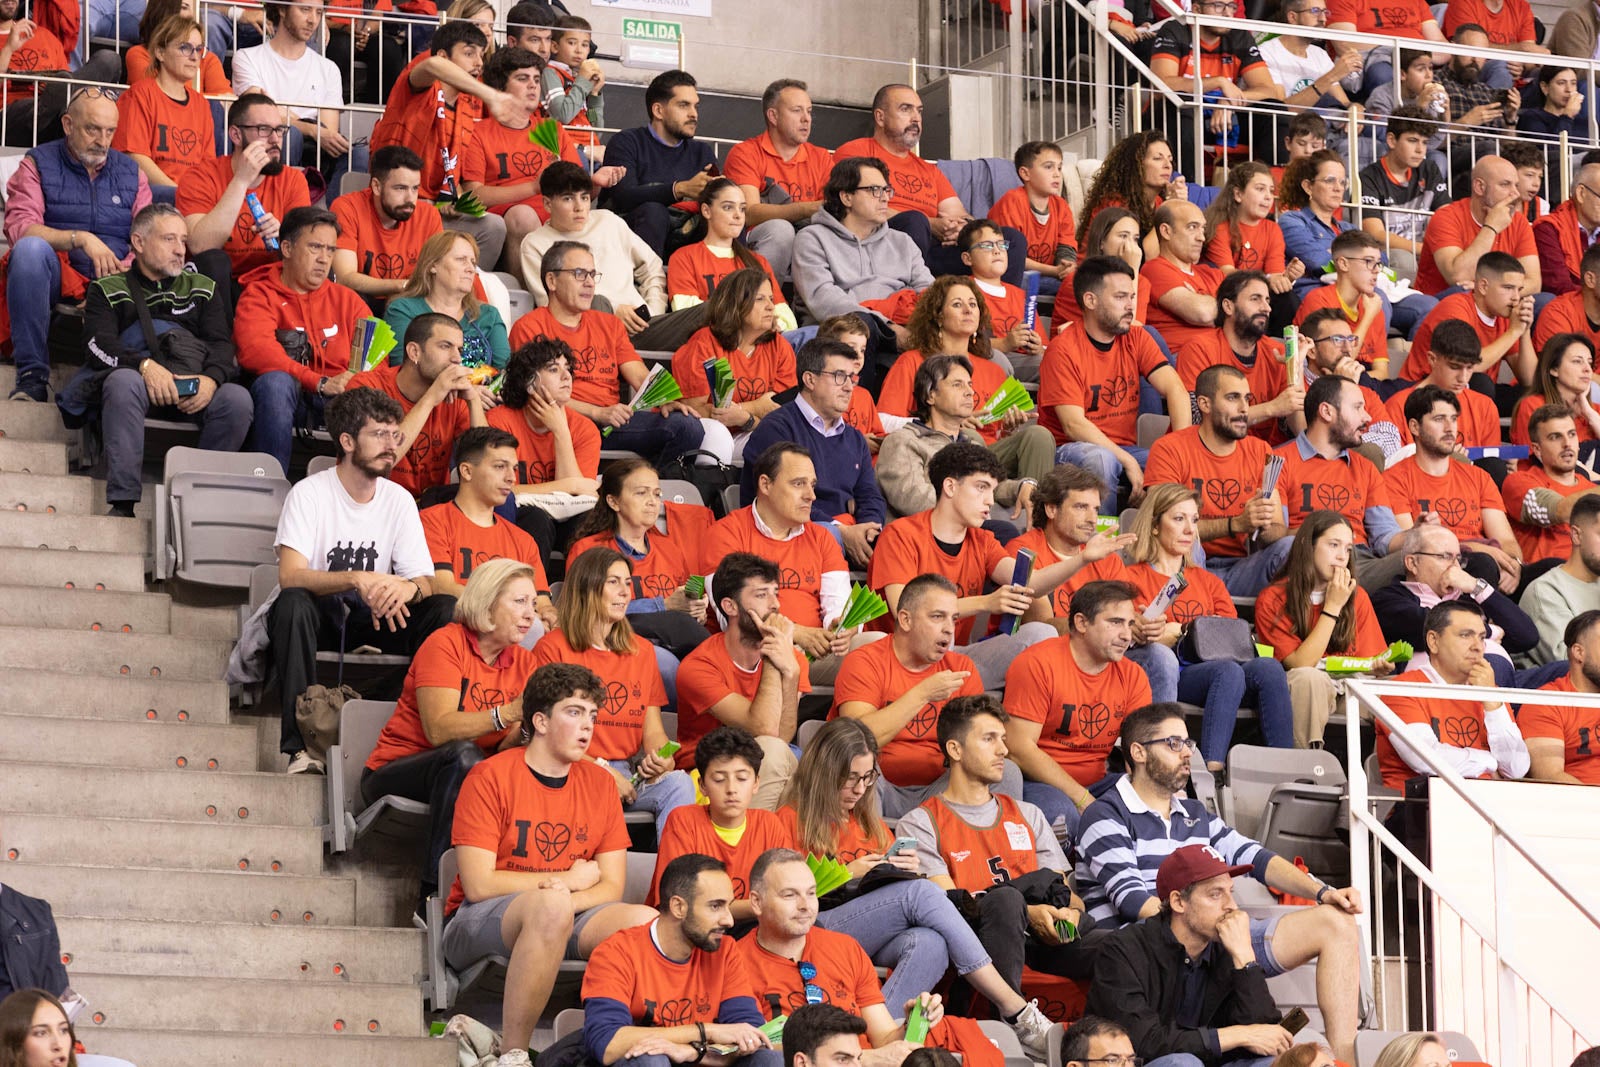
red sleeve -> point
(1488, 494)
(585, 444)
(1274, 254)
(198, 191)
(1164, 464)
(688, 364)
(894, 398)
(1535, 720)
(1219, 250)
(344, 213)
(1146, 352)
(618, 341)
(474, 163)
(676, 840)
(1272, 622)
(681, 280)
(135, 125)
(480, 816)
(783, 373)
(1521, 237)
(1058, 384)
(1526, 31)
(856, 682)
(1030, 687)
(214, 78)
(254, 323)
(435, 666)
(612, 831)
(989, 544)
(609, 974)
(740, 168)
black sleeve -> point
(101, 334)
(1251, 1002)
(1522, 634)
(1401, 614)
(630, 192)
(1118, 993)
(222, 365)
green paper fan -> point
(1010, 396)
(374, 341)
(547, 135)
(658, 388)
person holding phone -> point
(664, 169)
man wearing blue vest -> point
(69, 214)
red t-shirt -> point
(862, 414)
(175, 135)
(383, 253)
(802, 561)
(1538, 542)
(1459, 498)
(1225, 483)
(1511, 25)
(657, 574)
(918, 184)
(1057, 229)
(873, 675)
(1374, 343)
(1453, 226)
(982, 857)
(768, 369)
(895, 397)
(1524, 412)
(426, 463)
(600, 346)
(1577, 728)
(1205, 595)
(706, 676)
(39, 53)
(755, 163)
(1478, 425)
(499, 156)
(1165, 276)
(1274, 628)
(633, 683)
(1349, 485)
(1394, 18)
(906, 548)
(1260, 247)
(844, 973)
(1080, 714)
(531, 827)
(421, 120)
(1109, 569)
(1565, 314)
(1266, 374)
(1077, 372)
(201, 190)
(459, 545)
(536, 452)
(1455, 306)
(689, 830)
(628, 968)
(1458, 723)
(695, 270)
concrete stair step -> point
(184, 796)
(65, 495)
(83, 533)
(120, 571)
(22, 420)
(60, 374)
(103, 653)
(85, 609)
(140, 744)
(200, 896)
(189, 1049)
(44, 838)
(243, 950)
(32, 457)
(248, 1005)
(217, 621)
(112, 699)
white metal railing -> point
(1404, 957)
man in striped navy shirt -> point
(1126, 834)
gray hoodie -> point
(835, 271)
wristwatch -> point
(320, 383)
(1481, 591)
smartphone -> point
(1295, 1020)
(187, 386)
(1503, 98)
(901, 844)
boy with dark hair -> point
(1037, 210)
(1404, 178)
(987, 254)
(1357, 258)
(1497, 309)
(1455, 352)
(821, 1035)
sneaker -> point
(120, 509)
(36, 394)
(1033, 1030)
(302, 763)
(515, 1058)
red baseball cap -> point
(1191, 864)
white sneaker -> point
(515, 1058)
(302, 763)
(1033, 1030)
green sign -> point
(652, 30)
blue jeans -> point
(761, 1057)
(1222, 685)
(1062, 814)
(912, 928)
(33, 285)
(1151, 402)
(657, 437)
(281, 406)
(124, 402)
(1407, 315)
(675, 789)
(1160, 664)
(300, 150)
(1103, 464)
(111, 18)
(1248, 575)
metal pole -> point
(1017, 68)
(1360, 869)
(1102, 80)
(1564, 154)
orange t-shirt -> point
(661, 570)
(1205, 594)
(1565, 314)
(1374, 343)
(850, 839)
(1455, 306)
(628, 968)
(895, 396)
(1057, 229)
(1078, 372)
(918, 184)
(694, 270)
(201, 190)
(906, 548)
(383, 253)
(1349, 485)
(213, 79)
(498, 155)
(531, 827)
(175, 135)
(1524, 412)
(689, 829)
(844, 973)
(1478, 425)
(1458, 723)
(802, 561)
(755, 163)
(1397, 18)
(873, 675)
(1165, 276)
(1577, 728)
(449, 659)
(1260, 247)
(862, 414)
(1079, 714)
(426, 463)
(420, 119)
(1459, 498)
(768, 369)
(982, 857)
(706, 676)
(40, 53)
(1511, 25)
(633, 683)
(1453, 226)
(1274, 628)
(536, 452)
(1007, 309)
(458, 545)
(1538, 542)
(600, 346)
(1109, 569)
(1265, 374)
(1225, 483)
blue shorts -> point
(1261, 931)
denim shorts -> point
(1261, 931)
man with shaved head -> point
(60, 239)
(1566, 233)
(1486, 221)
(1183, 291)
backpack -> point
(316, 712)
(711, 480)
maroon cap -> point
(1191, 864)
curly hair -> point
(526, 363)
(1119, 182)
(924, 323)
(1224, 210)
(1292, 195)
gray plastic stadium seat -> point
(1151, 427)
(1254, 771)
(730, 498)
(679, 491)
(360, 723)
(669, 723)
(568, 1020)
(521, 301)
(216, 515)
(353, 182)
(1371, 1043)
(318, 464)
(806, 732)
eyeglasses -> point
(1316, 12)
(580, 273)
(1448, 557)
(1332, 181)
(1213, 5)
(93, 91)
(882, 192)
(384, 436)
(190, 51)
(1173, 743)
(991, 246)
(1343, 340)
(1369, 262)
(1592, 191)
(265, 131)
(808, 975)
(1117, 1061)
(840, 377)
(868, 779)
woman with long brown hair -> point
(35, 1031)
(695, 270)
(1563, 376)
(1137, 175)
(1241, 233)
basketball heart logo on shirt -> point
(184, 141)
(551, 839)
(1452, 510)
(420, 449)
(650, 586)
(675, 1012)
(244, 229)
(923, 722)
(1224, 492)
(788, 578)
(1334, 497)
(1186, 611)
(486, 697)
(536, 473)
(529, 164)
(910, 186)
(1116, 391)
(584, 362)
(750, 387)
(24, 59)
(1093, 719)
(386, 265)
(1462, 731)
(616, 698)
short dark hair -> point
(552, 683)
(420, 330)
(1408, 119)
(881, 97)
(391, 158)
(1546, 413)
(573, 22)
(1325, 390)
(962, 459)
(476, 441)
(506, 62)
(1522, 154)
(1091, 275)
(682, 875)
(845, 177)
(1075, 1044)
(1456, 341)
(244, 103)
(563, 178)
(1590, 263)
(769, 95)
(1467, 27)
(934, 370)
(1497, 264)
(554, 259)
(1438, 618)
(726, 742)
(1052, 490)
(1589, 1057)
(1030, 151)
(298, 220)
(812, 1025)
(1314, 321)
(1094, 597)
(664, 85)
(1209, 381)
(1578, 626)
(813, 356)
(1304, 123)
(352, 409)
(454, 32)
(931, 1056)
(912, 592)
(1232, 286)
(526, 363)
(1140, 726)
(956, 718)
(1419, 405)
(1585, 509)
(969, 233)
(530, 15)
(770, 462)
(1350, 242)
(1550, 70)
(736, 570)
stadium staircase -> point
(198, 916)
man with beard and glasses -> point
(664, 167)
(676, 990)
(750, 675)
(1244, 307)
(1127, 834)
(1089, 380)
(1245, 537)
(294, 327)
(383, 227)
(1332, 348)
(1569, 589)
(225, 239)
(140, 377)
(1562, 740)
(922, 202)
(1541, 496)
(561, 898)
(59, 242)
(353, 563)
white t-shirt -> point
(311, 78)
(324, 524)
(1288, 70)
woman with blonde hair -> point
(1164, 536)
(443, 281)
(35, 1031)
(1414, 1050)
(164, 123)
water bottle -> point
(259, 213)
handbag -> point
(1212, 639)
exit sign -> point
(651, 43)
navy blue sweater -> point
(843, 462)
(652, 167)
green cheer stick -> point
(547, 135)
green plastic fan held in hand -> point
(374, 341)
(719, 376)
(774, 1030)
(547, 135)
(666, 751)
(657, 389)
(1010, 396)
(861, 607)
(463, 204)
(695, 586)
(829, 873)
